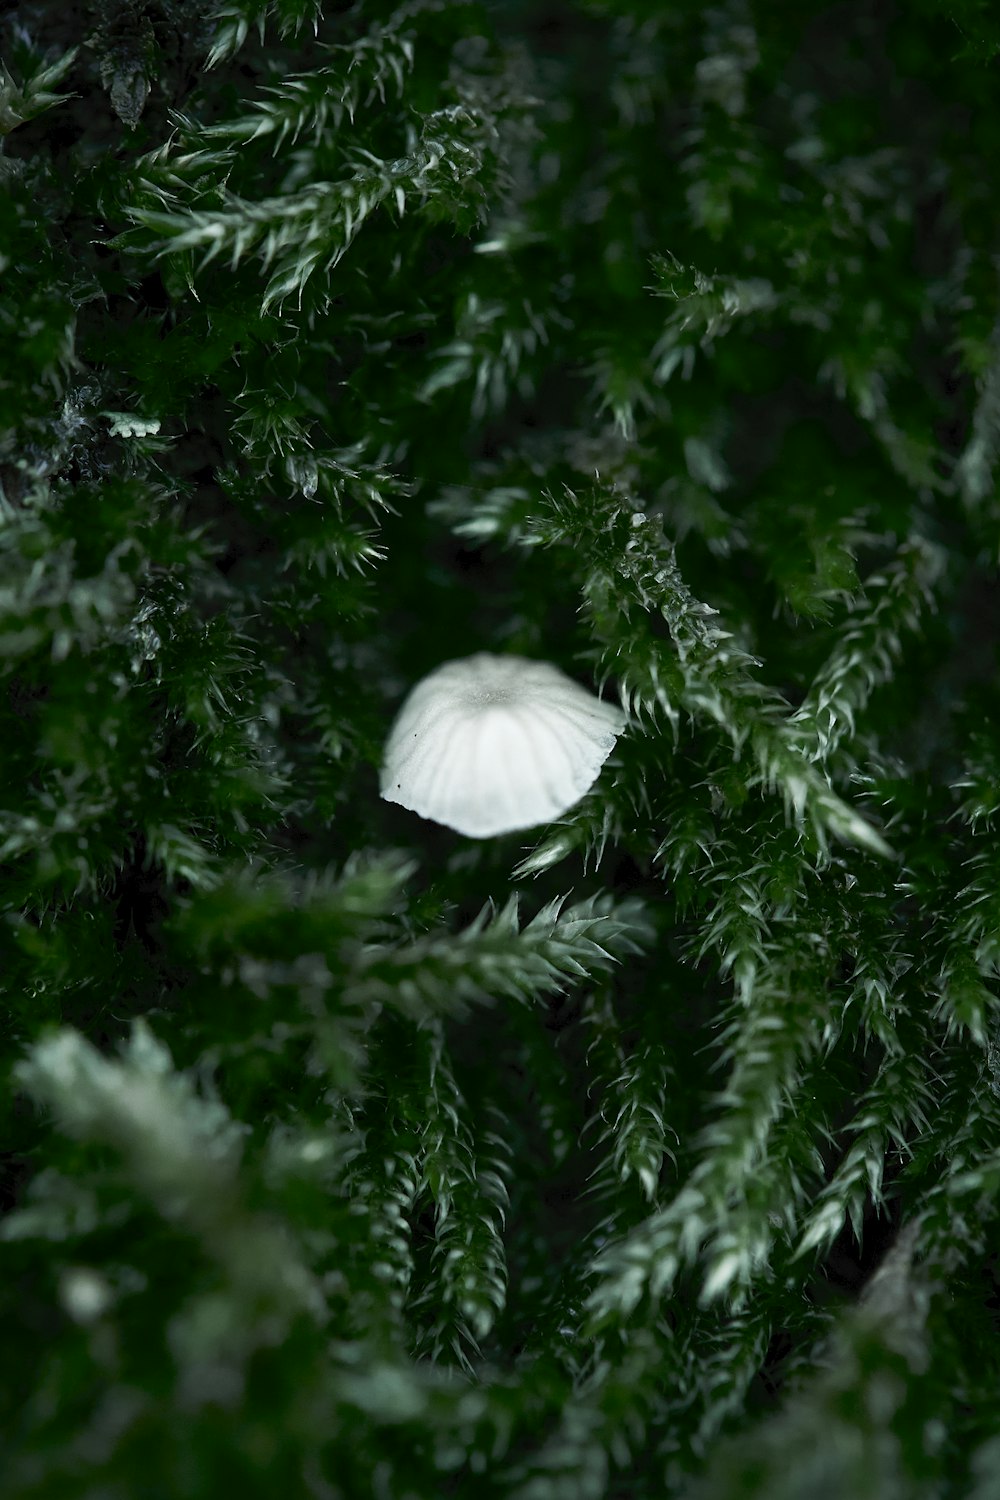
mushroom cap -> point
(490, 744)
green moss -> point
(654, 1153)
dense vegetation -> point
(654, 1153)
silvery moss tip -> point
(490, 744)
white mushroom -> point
(490, 744)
